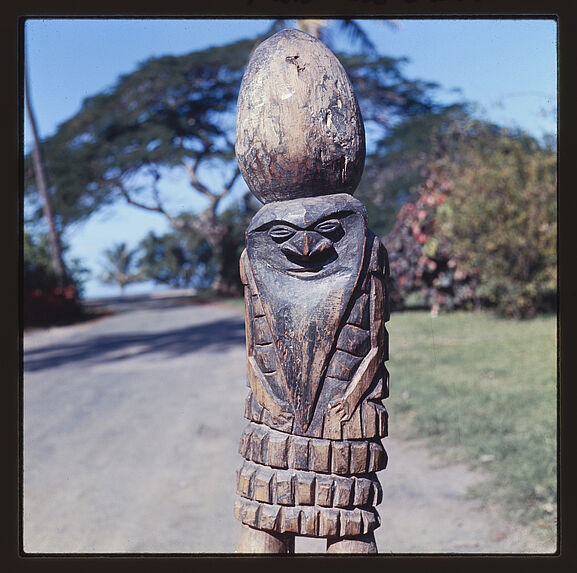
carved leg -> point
(253, 540)
(357, 544)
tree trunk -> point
(41, 179)
(214, 232)
(215, 240)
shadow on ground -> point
(127, 303)
(207, 337)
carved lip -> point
(306, 271)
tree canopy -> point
(176, 259)
(178, 112)
(172, 111)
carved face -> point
(309, 238)
(306, 256)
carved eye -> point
(280, 233)
(329, 227)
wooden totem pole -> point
(314, 277)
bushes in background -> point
(482, 231)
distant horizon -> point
(508, 67)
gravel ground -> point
(131, 425)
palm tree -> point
(322, 28)
(120, 266)
(42, 183)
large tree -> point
(178, 113)
(171, 113)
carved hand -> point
(341, 407)
(282, 417)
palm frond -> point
(357, 35)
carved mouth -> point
(306, 272)
(310, 265)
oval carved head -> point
(299, 130)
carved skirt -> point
(308, 486)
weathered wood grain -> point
(357, 544)
(299, 129)
(255, 446)
(252, 540)
(316, 302)
(305, 489)
(320, 284)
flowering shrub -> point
(53, 306)
(43, 301)
(482, 231)
(420, 259)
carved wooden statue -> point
(314, 278)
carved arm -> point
(367, 369)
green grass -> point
(482, 390)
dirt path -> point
(131, 426)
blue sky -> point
(508, 67)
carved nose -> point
(306, 244)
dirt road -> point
(131, 425)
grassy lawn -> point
(482, 390)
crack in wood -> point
(293, 60)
